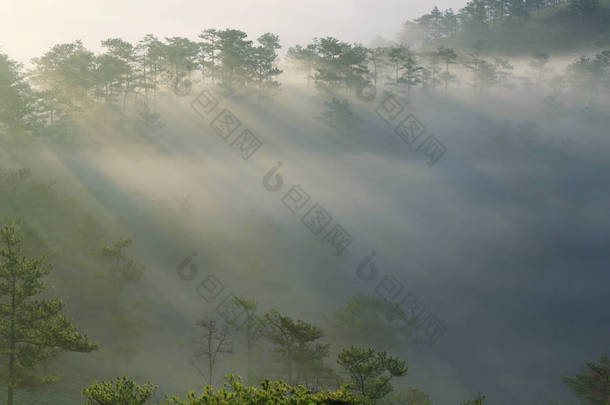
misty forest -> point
(224, 219)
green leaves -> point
(270, 392)
(371, 321)
(117, 258)
(593, 384)
(16, 96)
(296, 342)
(370, 371)
(120, 392)
(32, 330)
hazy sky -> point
(30, 27)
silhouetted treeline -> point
(514, 25)
(70, 79)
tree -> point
(111, 72)
(404, 60)
(253, 328)
(16, 96)
(430, 74)
(304, 59)
(262, 61)
(339, 116)
(123, 54)
(150, 51)
(449, 57)
(367, 320)
(397, 56)
(449, 24)
(233, 53)
(213, 342)
(486, 74)
(68, 72)
(432, 24)
(338, 65)
(32, 329)
(376, 57)
(208, 56)
(369, 372)
(592, 384)
(474, 18)
(120, 271)
(181, 58)
(120, 392)
(296, 343)
(121, 265)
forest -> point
(152, 197)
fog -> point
(502, 237)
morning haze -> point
(356, 202)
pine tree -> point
(262, 60)
(32, 329)
(594, 384)
(449, 57)
(16, 97)
(252, 328)
(296, 342)
(121, 271)
(369, 371)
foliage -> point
(252, 328)
(370, 371)
(296, 343)
(594, 383)
(270, 392)
(16, 97)
(513, 25)
(120, 392)
(32, 330)
(121, 265)
(337, 65)
(370, 321)
(339, 116)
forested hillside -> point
(422, 220)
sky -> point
(30, 27)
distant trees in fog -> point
(69, 80)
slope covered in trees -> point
(515, 26)
(115, 174)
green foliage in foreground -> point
(126, 392)
(122, 391)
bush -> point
(270, 392)
(120, 392)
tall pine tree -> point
(32, 329)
